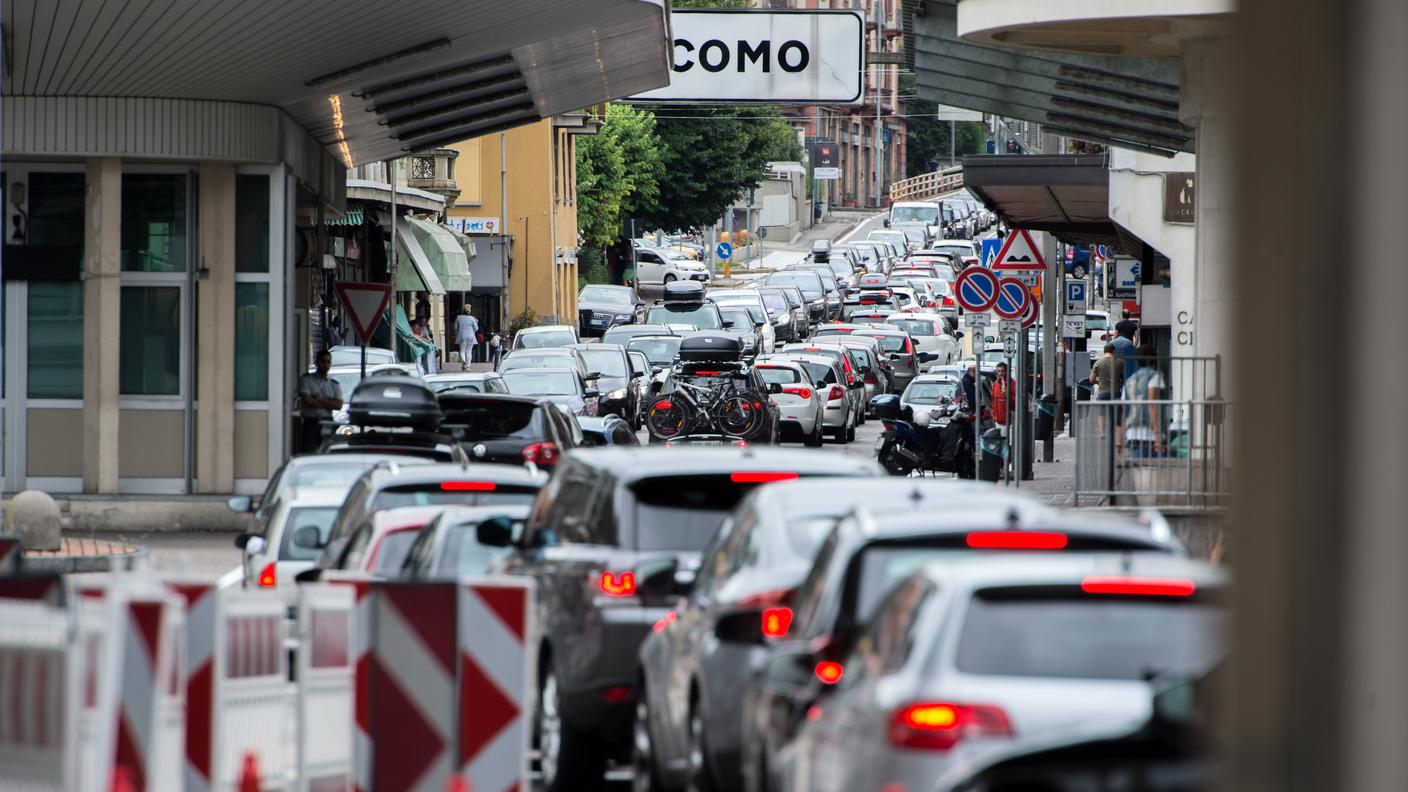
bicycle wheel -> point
(739, 415)
(667, 418)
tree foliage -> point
(618, 172)
(928, 137)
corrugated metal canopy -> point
(1067, 195)
(369, 79)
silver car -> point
(839, 417)
(971, 653)
(802, 403)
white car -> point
(929, 390)
(348, 355)
(928, 333)
(842, 410)
(299, 525)
(467, 381)
(1098, 332)
(801, 404)
(660, 265)
(545, 336)
(754, 301)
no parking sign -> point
(976, 289)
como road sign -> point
(1012, 298)
(976, 289)
(724, 250)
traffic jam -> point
(719, 605)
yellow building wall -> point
(542, 212)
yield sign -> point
(1012, 298)
(1019, 253)
(976, 289)
(365, 303)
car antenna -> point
(1014, 520)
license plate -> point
(879, 442)
(598, 322)
(942, 422)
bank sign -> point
(780, 57)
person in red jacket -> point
(1004, 396)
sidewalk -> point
(778, 255)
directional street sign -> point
(1075, 296)
(724, 250)
(976, 289)
(365, 303)
(989, 253)
(1073, 326)
(1019, 253)
(1012, 298)
(1009, 346)
(1008, 327)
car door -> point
(650, 268)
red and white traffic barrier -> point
(327, 624)
(496, 674)
(38, 701)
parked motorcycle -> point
(938, 440)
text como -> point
(715, 55)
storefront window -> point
(56, 215)
(150, 344)
(252, 223)
(153, 222)
(55, 347)
(251, 341)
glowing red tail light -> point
(1016, 540)
(798, 390)
(776, 622)
(939, 726)
(541, 454)
(664, 404)
(762, 477)
(618, 584)
(468, 486)
(829, 672)
(837, 393)
(1139, 586)
(267, 576)
(948, 301)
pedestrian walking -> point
(1143, 421)
(428, 362)
(318, 396)
(496, 350)
(1124, 352)
(467, 334)
(969, 388)
(1107, 375)
(1127, 327)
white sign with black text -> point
(827, 174)
(765, 56)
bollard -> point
(249, 775)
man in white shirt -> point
(318, 396)
(466, 334)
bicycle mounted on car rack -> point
(705, 395)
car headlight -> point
(623, 317)
(616, 395)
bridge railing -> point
(927, 185)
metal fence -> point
(1153, 453)
(927, 185)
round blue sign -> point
(976, 289)
(1012, 298)
(724, 250)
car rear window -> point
(492, 420)
(892, 343)
(319, 517)
(392, 552)
(778, 375)
(821, 373)
(682, 513)
(1072, 635)
(464, 555)
(879, 568)
(915, 327)
(327, 476)
(435, 494)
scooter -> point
(938, 440)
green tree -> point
(618, 172)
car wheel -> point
(670, 277)
(643, 763)
(565, 761)
(700, 779)
(851, 433)
(839, 435)
(815, 439)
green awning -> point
(409, 346)
(352, 217)
(444, 252)
(413, 269)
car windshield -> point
(682, 513)
(659, 350)
(742, 320)
(528, 359)
(704, 316)
(1096, 323)
(931, 392)
(792, 297)
(392, 552)
(808, 282)
(464, 555)
(1014, 632)
(915, 327)
(840, 265)
(779, 375)
(915, 214)
(434, 493)
(607, 294)
(493, 420)
(318, 517)
(609, 362)
(545, 338)
(537, 382)
(352, 356)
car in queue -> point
(448, 547)
(740, 323)
(472, 381)
(555, 357)
(930, 333)
(801, 314)
(288, 543)
(351, 355)
(391, 413)
(378, 545)
(853, 380)
(781, 316)
(711, 390)
(685, 304)
(864, 555)
(876, 369)
(622, 334)
(616, 381)
(612, 542)
(562, 386)
(801, 404)
(760, 317)
(608, 430)
(545, 336)
(697, 667)
(310, 472)
(972, 654)
(602, 306)
(897, 239)
(839, 415)
(509, 430)
(813, 290)
(833, 286)
(925, 213)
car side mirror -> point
(240, 504)
(657, 578)
(957, 334)
(591, 393)
(886, 221)
(308, 576)
(494, 532)
(728, 323)
(774, 388)
(740, 627)
(656, 369)
(308, 537)
(591, 375)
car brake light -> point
(1016, 540)
(468, 486)
(267, 576)
(939, 725)
(707, 373)
(664, 404)
(762, 477)
(541, 454)
(836, 393)
(1139, 587)
(829, 672)
(618, 584)
(616, 694)
(798, 390)
(948, 301)
(776, 621)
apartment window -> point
(251, 341)
(55, 347)
(150, 345)
(251, 223)
(153, 222)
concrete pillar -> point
(215, 353)
(1207, 103)
(102, 306)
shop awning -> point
(443, 252)
(413, 272)
(1065, 194)
(352, 217)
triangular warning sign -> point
(365, 303)
(1019, 253)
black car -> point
(601, 307)
(622, 334)
(612, 541)
(607, 431)
(802, 325)
(392, 414)
(512, 430)
(616, 385)
(813, 291)
(684, 303)
(712, 396)
(859, 561)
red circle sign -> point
(975, 289)
(1013, 297)
(1029, 318)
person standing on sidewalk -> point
(318, 396)
(466, 334)
(1143, 423)
(1004, 397)
(1107, 375)
(1124, 352)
